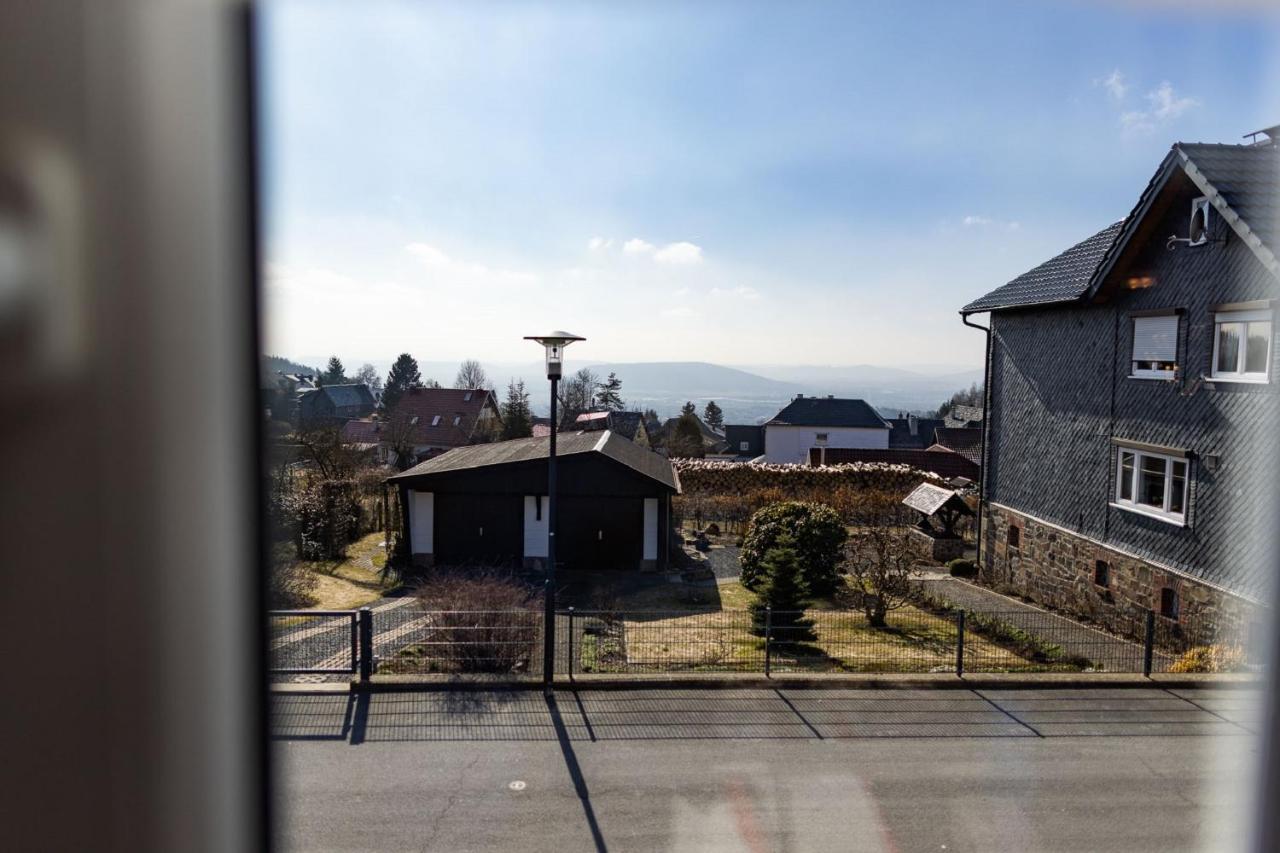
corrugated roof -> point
(828, 412)
(1063, 278)
(639, 459)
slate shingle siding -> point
(1060, 392)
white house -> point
(809, 422)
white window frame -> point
(1132, 504)
(1244, 318)
(1136, 372)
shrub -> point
(961, 568)
(818, 537)
(324, 517)
(782, 588)
(290, 585)
(1214, 658)
(482, 620)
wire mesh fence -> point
(412, 641)
(454, 642)
(313, 641)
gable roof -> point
(449, 404)
(626, 424)
(1062, 278)
(342, 396)
(1240, 181)
(963, 416)
(928, 499)
(828, 412)
(967, 441)
(621, 450)
(900, 434)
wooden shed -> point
(487, 504)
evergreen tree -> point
(517, 417)
(686, 438)
(403, 376)
(713, 415)
(335, 373)
(688, 409)
(783, 590)
(607, 396)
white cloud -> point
(439, 263)
(741, 292)
(681, 292)
(1115, 85)
(680, 312)
(1165, 105)
(636, 246)
(976, 221)
(679, 253)
(971, 221)
(595, 244)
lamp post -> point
(554, 342)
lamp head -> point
(554, 342)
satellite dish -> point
(1199, 221)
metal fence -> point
(412, 642)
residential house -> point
(746, 441)
(430, 421)
(967, 441)
(335, 404)
(487, 504)
(713, 441)
(963, 417)
(1130, 449)
(910, 432)
(629, 425)
(823, 422)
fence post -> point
(570, 643)
(960, 643)
(768, 638)
(365, 617)
(1148, 643)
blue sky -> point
(793, 183)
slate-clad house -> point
(629, 425)
(1133, 404)
(910, 432)
(808, 422)
(335, 403)
(746, 441)
(487, 504)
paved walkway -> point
(1104, 651)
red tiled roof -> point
(362, 431)
(541, 430)
(437, 409)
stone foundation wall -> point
(1058, 569)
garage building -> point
(487, 504)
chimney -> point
(831, 396)
(799, 396)
(913, 424)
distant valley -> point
(747, 394)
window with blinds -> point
(1155, 347)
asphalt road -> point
(690, 770)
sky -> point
(740, 183)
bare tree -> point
(368, 375)
(322, 445)
(880, 556)
(471, 375)
(577, 393)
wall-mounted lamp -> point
(1212, 462)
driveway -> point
(753, 770)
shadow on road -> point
(812, 714)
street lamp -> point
(554, 342)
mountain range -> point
(746, 394)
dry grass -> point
(676, 634)
(353, 582)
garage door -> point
(478, 529)
(600, 534)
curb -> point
(844, 681)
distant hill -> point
(279, 364)
(746, 394)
